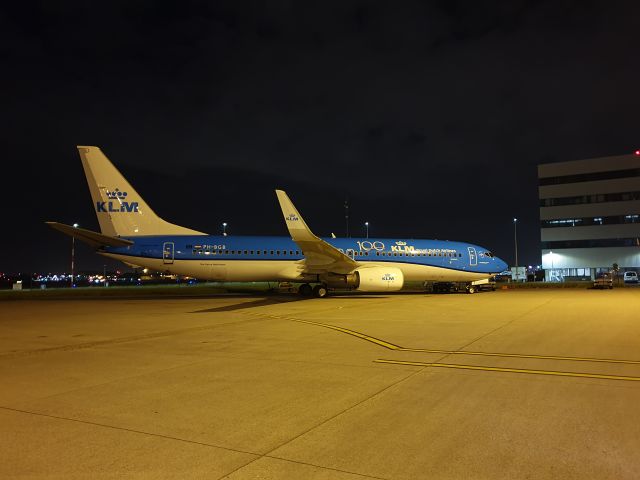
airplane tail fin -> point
(120, 209)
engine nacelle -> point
(379, 279)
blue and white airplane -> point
(132, 233)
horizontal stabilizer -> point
(94, 239)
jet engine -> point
(369, 279)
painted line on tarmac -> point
(368, 338)
(391, 346)
(519, 355)
(510, 370)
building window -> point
(590, 221)
(589, 177)
(595, 198)
(595, 243)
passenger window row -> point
(200, 251)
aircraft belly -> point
(274, 270)
(417, 273)
(229, 271)
(261, 270)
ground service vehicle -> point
(604, 281)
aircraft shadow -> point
(261, 302)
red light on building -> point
(637, 152)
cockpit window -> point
(489, 254)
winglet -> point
(295, 223)
(320, 256)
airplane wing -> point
(94, 239)
(320, 257)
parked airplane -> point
(131, 232)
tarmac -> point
(536, 384)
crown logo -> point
(116, 194)
(401, 243)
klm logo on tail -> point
(116, 194)
(292, 217)
(119, 205)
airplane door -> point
(473, 257)
(167, 252)
(350, 252)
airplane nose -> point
(502, 265)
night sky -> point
(430, 117)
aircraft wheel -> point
(305, 290)
(471, 289)
(320, 291)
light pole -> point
(73, 254)
(366, 224)
(346, 214)
(515, 240)
(224, 229)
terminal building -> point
(589, 216)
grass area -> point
(209, 289)
(136, 291)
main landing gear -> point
(319, 291)
(453, 287)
